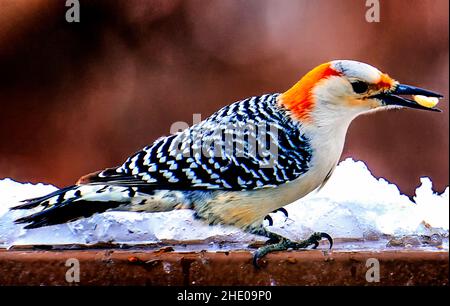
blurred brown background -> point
(78, 97)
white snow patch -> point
(353, 204)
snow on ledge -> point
(353, 204)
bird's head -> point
(342, 89)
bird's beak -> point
(392, 97)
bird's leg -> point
(280, 243)
(261, 231)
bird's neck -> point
(321, 118)
(329, 128)
(299, 99)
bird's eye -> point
(360, 87)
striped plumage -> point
(178, 169)
(193, 159)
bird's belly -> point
(246, 209)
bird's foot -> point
(269, 218)
(285, 244)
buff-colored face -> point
(359, 88)
(343, 89)
(355, 86)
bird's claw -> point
(269, 218)
(283, 210)
(327, 237)
(317, 236)
(285, 244)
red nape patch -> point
(298, 99)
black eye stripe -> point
(359, 87)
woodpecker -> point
(245, 161)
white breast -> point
(327, 145)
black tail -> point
(71, 203)
(66, 212)
(35, 202)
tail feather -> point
(35, 202)
(67, 212)
(72, 203)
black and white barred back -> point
(248, 145)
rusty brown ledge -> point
(166, 267)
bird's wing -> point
(249, 144)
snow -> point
(353, 204)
